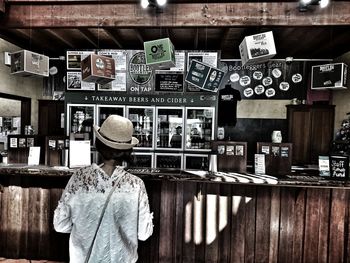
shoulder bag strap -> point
(101, 216)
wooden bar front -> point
(194, 221)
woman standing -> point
(104, 208)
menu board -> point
(74, 57)
(169, 81)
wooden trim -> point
(54, 15)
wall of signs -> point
(133, 76)
(274, 79)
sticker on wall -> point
(270, 92)
(248, 92)
(244, 81)
(267, 81)
(257, 75)
(276, 73)
(260, 89)
(234, 77)
(284, 86)
(296, 78)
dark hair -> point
(109, 153)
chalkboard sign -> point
(169, 81)
(339, 167)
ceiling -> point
(51, 27)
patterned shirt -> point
(127, 216)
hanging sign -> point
(204, 76)
(98, 69)
(160, 53)
(329, 76)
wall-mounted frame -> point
(143, 119)
(142, 160)
(168, 160)
(80, 121)
(196, 162)
(170, 126)
(103, 111)
(199, 130)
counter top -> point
(295, 179)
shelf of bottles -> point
(103, 111)
(169, 160)
(80, 121)
(141, 160)
(170, 122)
(142, 117)
(196, 162)
(199, 128)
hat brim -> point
(115, 145)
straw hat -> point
(116, 132)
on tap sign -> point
(204, 76)
(160, 53)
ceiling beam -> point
(34, 37)
(89, 36)
(113, 35)
(63, 15)
(59, 37)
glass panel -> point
(142, 119)
(168, 161)
(197, 162)
(169, 128)
(104, 112)
(199, 128)
(81, 121)
(141, 161)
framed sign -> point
(204, 76)
(169, 81)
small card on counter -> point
(34, 155)
(323, 166)
(259, 164)
(79, 153)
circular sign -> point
(296, 78)
(248, 92)
(267, 81)
(257, 75)
(260, 89)
(244, 81)
(139, 72)
(234, 77)
(284, 86)
(270, 92)
(276, 73)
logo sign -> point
(160, 53)
(139, 72)
(204, 76)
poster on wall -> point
(74, 82)
(120, 59)
(274, 79)
(140, 77)
(209, 58)
(74, 57)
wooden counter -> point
(195, 219)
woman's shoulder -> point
(133, 179)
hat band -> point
(111, 139)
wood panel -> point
(53, 15)
(196, 222)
